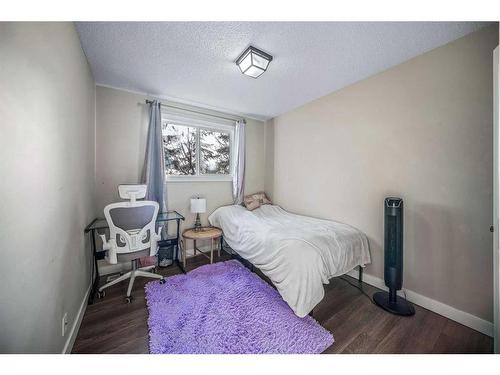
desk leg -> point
(95, 282)
(177, 247)
(178, 238)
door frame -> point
(496, 196)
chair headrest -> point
(132, 192)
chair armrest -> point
(110, 246)
(158, 234)
(105, 243)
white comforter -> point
(297, 253)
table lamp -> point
(198, 206)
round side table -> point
(204, 233)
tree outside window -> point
(187, 146)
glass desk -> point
(100, 224)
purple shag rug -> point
(225, 308)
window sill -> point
(198, 179)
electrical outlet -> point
(64, 323)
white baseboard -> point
(68, 346)
(440, 308)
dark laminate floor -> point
(112, 326)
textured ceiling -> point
(193, 62)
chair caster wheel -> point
(162, 281)
(101, 294)
(129, 299)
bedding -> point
(297, 253)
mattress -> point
(297, 253)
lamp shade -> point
(198, 205)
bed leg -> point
(360, 275)
(311, 313)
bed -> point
(297, 253)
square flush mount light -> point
(253, 62)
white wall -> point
(421, 130)
(269, 167)
(47, 110)
(122, 123)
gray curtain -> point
(239, 162)
(153, 173)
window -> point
(196, 150)
(214, 152)
(179, 145)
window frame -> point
(199, 124)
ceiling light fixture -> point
(253, 62)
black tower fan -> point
(393, 260)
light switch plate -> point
(64, 323)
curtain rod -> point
(198, 112)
